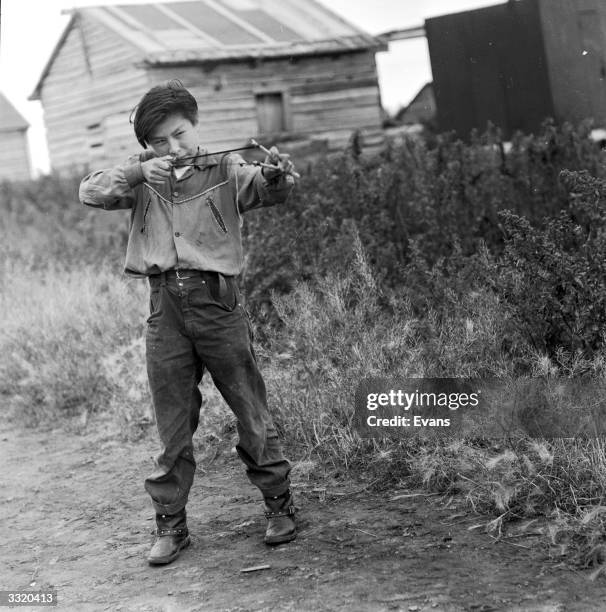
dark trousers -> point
(195, 324)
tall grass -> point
(344, 327)
(338, 330)
(71, 342)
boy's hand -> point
(280, 163)
(157, 169)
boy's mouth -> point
(184, 160)
(179, 161)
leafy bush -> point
(554, 277)
(417, 200)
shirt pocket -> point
(215, 212)
(213, 222)
(145, 219)
(203, 217)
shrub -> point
(554, 277)
(416, 200)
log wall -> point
(15, 164)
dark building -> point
(517, 63)
(421, 109)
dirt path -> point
(76, 517)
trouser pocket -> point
(223, 291)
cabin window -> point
(271, 112)
(94, 135)
(94, 141)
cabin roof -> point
(426, 89)
(10, 118)
(420, 94)
(185, 32)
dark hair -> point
(160, 102)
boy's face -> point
(176, 136)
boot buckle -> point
(170, 532)
(287, 512)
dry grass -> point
(69, 343)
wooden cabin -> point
(276, 70)
(15, 163)
(517, 63)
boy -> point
(185, 238)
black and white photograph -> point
(303, 305)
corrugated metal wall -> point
(575, 43)
(490, 65)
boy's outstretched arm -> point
(263, 187)
(114, 188)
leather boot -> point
(171, 536)
(280, 514)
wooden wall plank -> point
(15, 162)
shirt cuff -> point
(277, 190)
(133, 173)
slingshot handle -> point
(271, 155)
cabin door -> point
(270, 113)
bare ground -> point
(76, 518)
